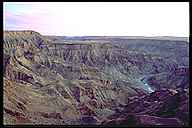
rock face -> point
(103, 80)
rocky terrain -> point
(94, 80)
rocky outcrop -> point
(158, 108)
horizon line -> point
(94, 35)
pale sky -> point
(99, 18)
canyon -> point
(94, 80)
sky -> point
(99, 18)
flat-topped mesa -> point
(25, 37)
(20, 33)
(86, 46)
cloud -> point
(25, 19)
